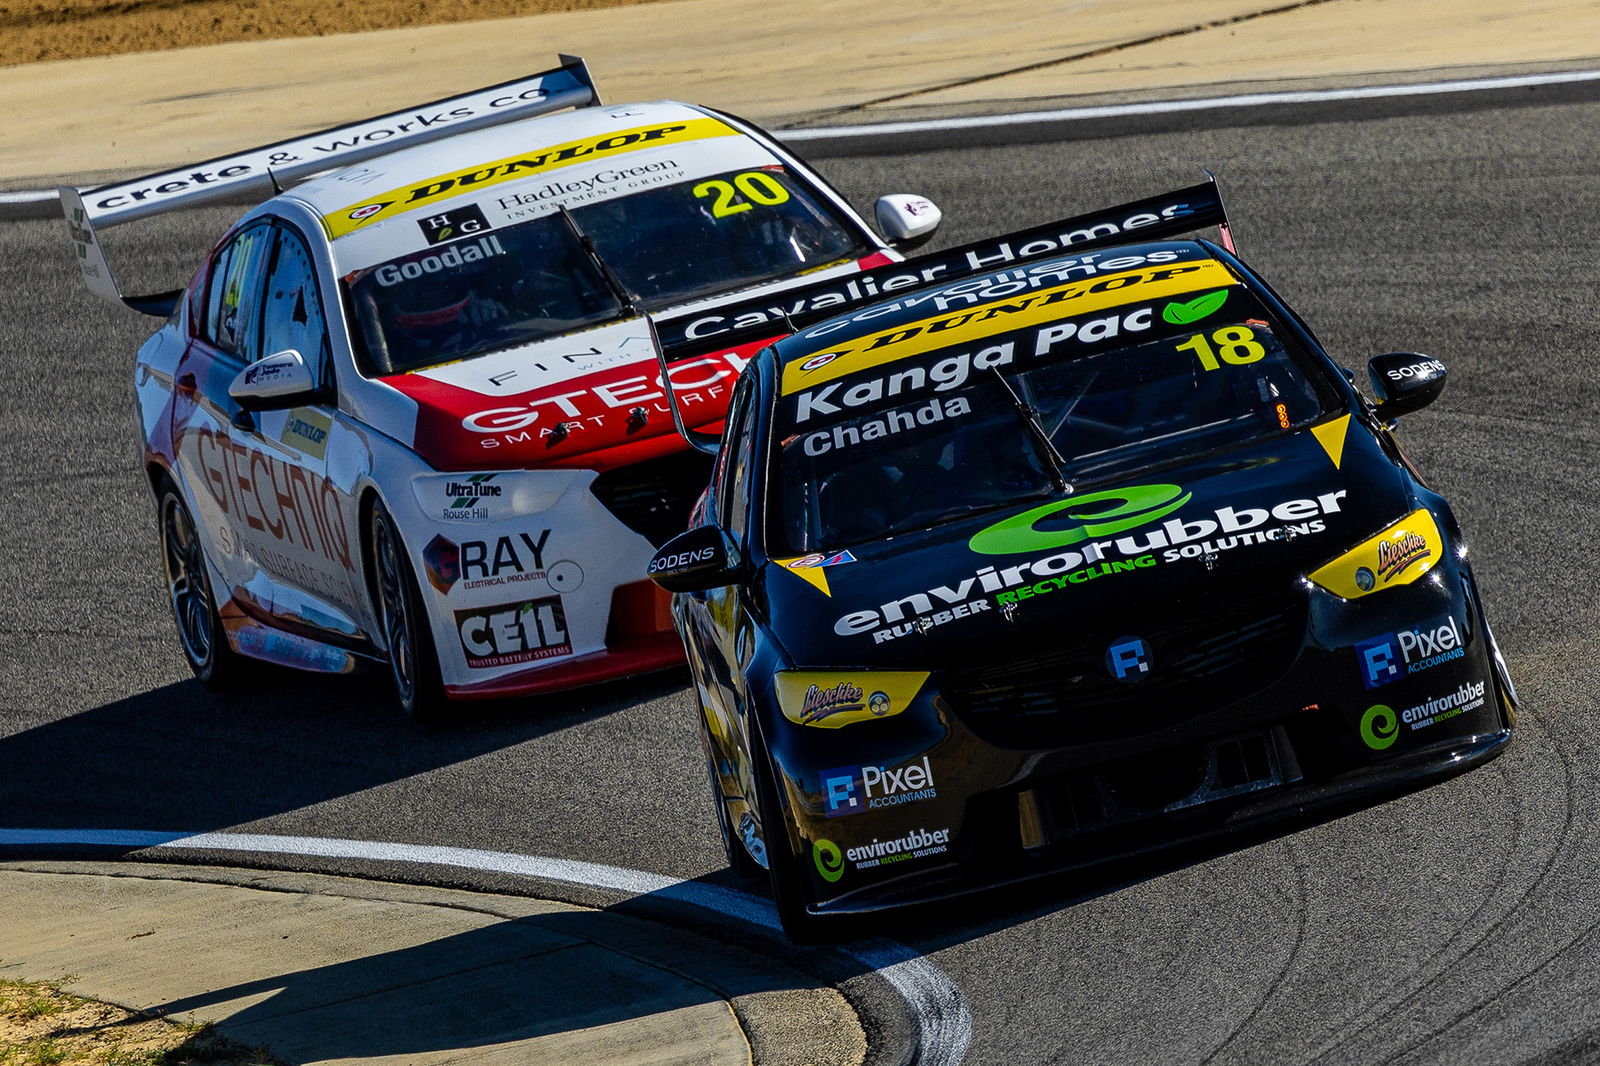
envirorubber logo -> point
(829, 860)
(1380, 727)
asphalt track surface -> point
(1458, 924)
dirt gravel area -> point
(40, 30)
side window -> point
(734, 496)
(292, 311)
(719, 468)
(233, 305)
(216, 286)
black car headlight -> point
(1397, 556)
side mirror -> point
(907, 220)
(695, 561)
(280, 380)
(1404, 382)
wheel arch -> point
(366, 503)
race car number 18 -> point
(755, 186)
(1235, 344)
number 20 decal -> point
(753, 185)
(1236, 345)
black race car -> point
(1062, 562)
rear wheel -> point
(194, 609)
(413, 661)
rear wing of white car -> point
(263, 172)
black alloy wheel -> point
(739, 858)
(413, 661)
(786, 871)
(194, 609)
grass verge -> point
(41, 1024)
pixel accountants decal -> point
(1396, 655)
(853, 789)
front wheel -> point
(413, 660)
(739, 859)
(194, 609)
(785, 870)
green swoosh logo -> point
(830, 863)
(1181, 314)
(1379, 727)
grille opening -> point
(654, 498)
(1107, 809)
(1154, 783)
(1060, 692)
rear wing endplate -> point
(1158, 217)
(263, 172)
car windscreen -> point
(524, 282)
(963, 444)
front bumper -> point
(1309, 733)
(533, 583)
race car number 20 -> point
(753, 185)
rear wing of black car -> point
(261, 173)
(1157, 217)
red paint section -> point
(652, 653)
(599, 421)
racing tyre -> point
(785, 870)
(738, 858)
(413, 660)
(194, 609)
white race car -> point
(412, 409)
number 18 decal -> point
(1236, 345)
(753, 185)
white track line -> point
(1208, 103)
(943, 1020)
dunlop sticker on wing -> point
(973, 324)
(516, 167)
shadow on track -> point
(183, 759)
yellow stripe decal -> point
(966, 325)
(517, 167)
